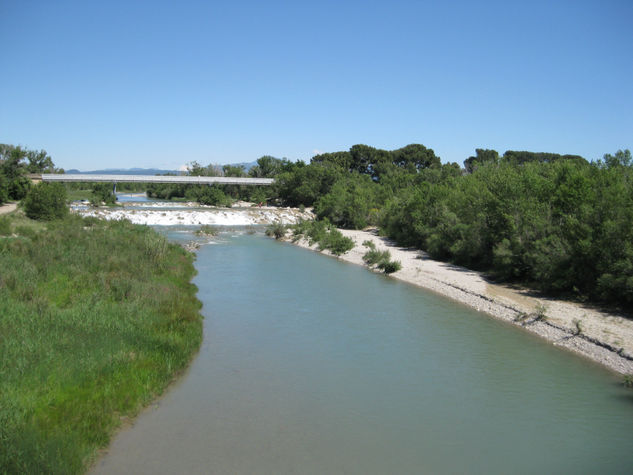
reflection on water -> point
(310, 365)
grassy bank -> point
(96, 318)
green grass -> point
(96, 318)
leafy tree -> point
(415, 157)
(482, 156)
(233, 171)
(39, 162)
(342, 160)
(622, 158)
(46, 201)
(268, 167)
(349, 203)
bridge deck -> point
(195, 180)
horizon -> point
(160, 85)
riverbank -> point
(600, 336)
(96, 318)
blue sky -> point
(159, 84)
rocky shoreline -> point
(599, 336)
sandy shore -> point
(604, 338)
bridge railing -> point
(192, 180)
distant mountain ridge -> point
(148, 171)
(126, 171)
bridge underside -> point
(188, 180)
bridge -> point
(188, 180)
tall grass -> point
(96, 318)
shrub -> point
(336, 243)
(46, 201)
(374, 257)
(276, 230)
(212, 196)
(326, 235)
(380, 259)
(206, 230)
(390, 267)
(102, 193)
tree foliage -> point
(46, 201)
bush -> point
(380, 259)
(206, 230)
(102, 193)
(276, 230)
(212, 196)
(46, 201)
(390, 267)
(325, 234)
(336, 243)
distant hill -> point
(126, 171)
(146, 171)
(247, 165)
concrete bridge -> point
(189, 180)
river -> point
(310, 365)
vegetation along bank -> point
(96, 318)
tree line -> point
(558, 223)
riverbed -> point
(312, 365)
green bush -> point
(276, 230)
(380, 259)
(206, 230)
(390, 267)
(212, 196)
(102, 193)
(46, 201)
(325, 234)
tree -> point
(268, 167)
(415, 157)
(39, 162)
(46, 201)
(622, 158)
(482, 156)
(233, 170)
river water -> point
(310, 365)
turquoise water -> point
(310, 365)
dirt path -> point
(7, 208)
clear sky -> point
(161, 83)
